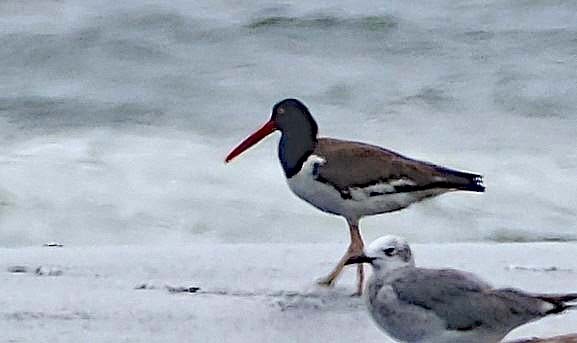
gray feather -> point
(465, 302)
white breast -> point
(318, 194)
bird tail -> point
(539, 305)
(462, 180)
(561, 302)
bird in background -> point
(350, 179)
(419, 305)
(571, 338)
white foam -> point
(91, 94)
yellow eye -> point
(280, 110)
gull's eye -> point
(389, 251)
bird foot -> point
(357, 294)
(326, 282)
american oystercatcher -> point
(350, 179)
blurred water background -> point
(115, 116)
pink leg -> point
(355, 248)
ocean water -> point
(115, 116)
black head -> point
(298, 139)
(293, 115)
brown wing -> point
(353, 164)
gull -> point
(420, 305)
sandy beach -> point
(247, 292)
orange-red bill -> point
(251, 140)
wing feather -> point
(358, 165)
(464, 302)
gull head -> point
(386, 253)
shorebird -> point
(350, 179)
(419, 305)
(572, 338)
